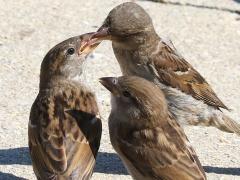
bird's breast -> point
(132, 63)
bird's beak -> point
(95, 39)
(87, 48)
(102, 34)
(110, 83)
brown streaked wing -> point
(41, 164)
(173, 70)
(166, 156)
(61, 141)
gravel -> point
(209, 38)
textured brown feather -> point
(146, 136)
(164, 155)
(173, 70)
(136, 43)
(62, 144)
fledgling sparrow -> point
(141, 52)
(64, 129)
(145, 135)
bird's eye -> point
(114, 81)
(70, 51)
(126, 94)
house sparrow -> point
(145, 135)
(141, 52)
(64, 130)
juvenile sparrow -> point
(145, 135)
(141, 52)
(64, 129)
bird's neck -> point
(131, 60)
(55, 80)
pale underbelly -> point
(186, 109)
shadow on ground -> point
(15, 156)
(8, 176)
(222, 170)
(108, 163)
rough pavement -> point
(208, 38)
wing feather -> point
(167, 157)
(62, 138)
(173, 70)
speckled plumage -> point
(141, 52)
(64, 128)
(145, 135)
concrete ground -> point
(206, 32)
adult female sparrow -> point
(64, 129)
(141, 52)
(145, 135)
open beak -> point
(86, 48)
(111, 84)
(95, 39)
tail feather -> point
(225, 123)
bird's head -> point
(135, 97)
(65, 59)
(127, 25)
